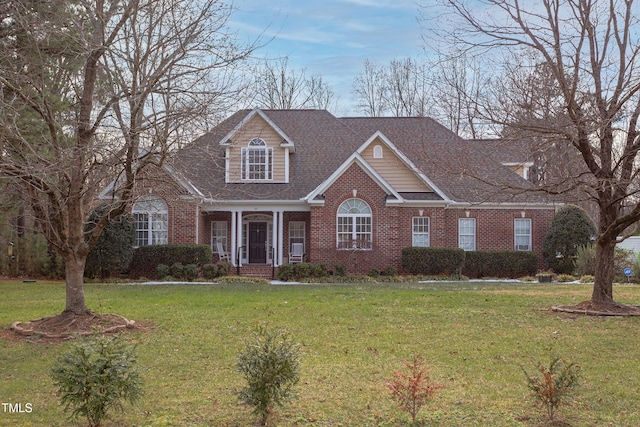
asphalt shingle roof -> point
(465, 171)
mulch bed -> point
(66, 325)
(593, 309)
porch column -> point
(234, 230)
(274, 238)
(240, 237)
(280, 237)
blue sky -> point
(332, 38)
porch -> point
(255, 241)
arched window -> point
(377, 152)
(152, 218)
(354, 225)
(257, 160)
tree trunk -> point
(604, 263)
(74, 277)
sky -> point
(332, 38)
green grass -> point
(475, 337)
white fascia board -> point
(505, 205)
(355, 158)
(405, 159)
(229, 137)
(212, 205)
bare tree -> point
(399, 89)
(368, 89)
(278, 86)
(98, 90)
(591, 49)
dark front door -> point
(258, 242)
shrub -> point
(146, 258)
(570, 228)
(320, 270)
(340, 270)
(95, 375)
(374, 272)
(564, 278)
(285, 272)
(553, 384)
(269, 364)
(224, 268)
(190, 272)
(114, 249)
(177, 270)
(586, 260)
(163, 271)
(432, 261)
(412, 389)
(390, 272)
(500, 264)
(586, 279)
(302, 270)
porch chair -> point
(297, 253)
(222, 255)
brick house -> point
(353, 191)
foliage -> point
(586, 260)
(231, 280)
(586, 278)
(95, 376)
(212, 271)
(113, 250)
(269, 364)
(499, 264)
(413, 389)
(302, 270)
(162, 271)
(340, 270)
(553, 383)
(570, 229)
(432, 261)
(390, 271)
(564, 278)
(374, 272)
(146, 258)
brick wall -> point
(392, 226)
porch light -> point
(10, 246)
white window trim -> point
(474, 235)
(256, 145)
(528, 235)
(414, 233)
(304, 232)
(215, 237)
(160, 214)
(354, 229)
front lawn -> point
(474, 336)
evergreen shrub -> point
(432, 261)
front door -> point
(258, 242)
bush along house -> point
(268, 187)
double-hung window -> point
(420, 232)
(219, 234)
(522, 234)
(150, 214)
(467, 234)
(354, 225)
(296, 233)
(257, 161)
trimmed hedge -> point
(146, 258)
(432, 261)
(500, 264)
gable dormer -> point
(257, 151)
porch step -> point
(255, 270)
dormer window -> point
(257, 161)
